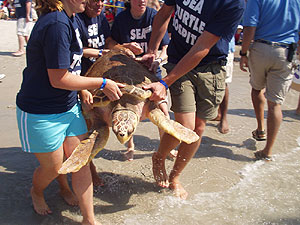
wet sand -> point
(129, 188)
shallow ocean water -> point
(268, 193)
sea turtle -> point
(123, 115)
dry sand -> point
(129, 186)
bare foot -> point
(18, 53)
(159, 171)
(261, 155)
(178, 190)
(223, 127)
(39, 203)
(97, 181)
(129, 154)
(298, 112)
(69, 197)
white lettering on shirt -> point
(140, 33)
(192, 4)
(183, 17)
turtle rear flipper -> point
(85, 151)
(172, 127)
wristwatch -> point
(243, 54)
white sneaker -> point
(2, 76)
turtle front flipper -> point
(172, 127)
(136, 91)
(85, 151)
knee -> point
(51, 171)
(199, 130)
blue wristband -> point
(103, 84)
(164, 83)
(100, 52)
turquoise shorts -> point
(46, 132)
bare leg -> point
(82, 183)
(167, 143)
(164, 108)
(130, 150)
(26, 39)
(65, 190)
(185, 153)
(223, 125)
(218, 118)
(273, 123)
(97, 181)
(298, 108)
(258, 101)
(43, 176)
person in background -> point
(269, 61)
(24, 24)
(120, 6)
(95, 35)
(223, 108)
(3, 12)
(196, 58)
(153, 4)
(135, 25)
(50, 121)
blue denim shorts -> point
(46, 132)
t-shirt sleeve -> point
(225, 22)
(251, 15)
(57, 46)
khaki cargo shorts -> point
(201, 90)
(269, 69)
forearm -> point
(248, 36)
(90, 52)
(159, 27)
(194, 56)
(186, 64)
(62, 79)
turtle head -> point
(124, 123)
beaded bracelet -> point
(103, 84)
(164, 83)
(100, 52)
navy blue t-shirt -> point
(126, 29)
(20, 6)
(192, 18)
(93, 32)
(54, 44)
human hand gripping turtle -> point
(123, 115)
